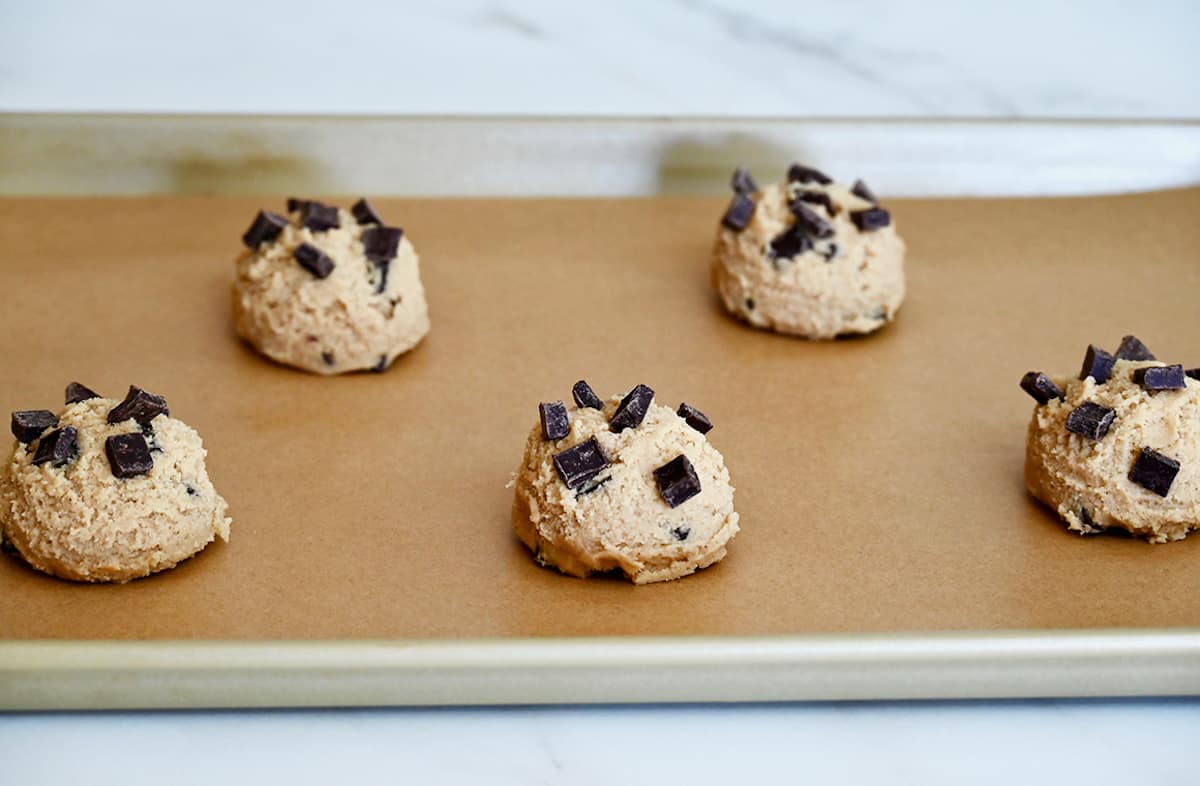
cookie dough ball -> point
(624, 484)
(1118, 447)
(329, 290)
(808, 257)
(107, 490)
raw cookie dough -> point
(653, 527)
(808, 257)
(72, 517)
(349, 300)
(1129, 457)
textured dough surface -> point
(624, 523)
(80, 522)
(335, 324)
(1071, 473)
(858, 290)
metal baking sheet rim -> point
(60, 675)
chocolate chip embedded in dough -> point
(817, 198)
(381, 366)
(265, 228)
(1132, 348)
(677, 481)
(28, 424)
(1154, 471)
(319, 217)
(870, 219)
(555, 422)
(681, 532)
(314, 260)
(860, 189)
(1097, 364)
(632, 409)
(586, 397)
(742, 182)
(1161, 377)
(813, 222)
(695, 418)
(1090, 526)
(806, 174)
(328, 358)
(1041, 387)
(750, 304)
(791, 242)
(364, 212)
(738, 214)
(57, 447)
(579, 464)
(830, 252)
(128, 455)
(143, 407)
(76, 393)
(1090, 420)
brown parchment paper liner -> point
(878, 479)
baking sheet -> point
(878, 479)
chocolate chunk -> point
(364, 212)
(57, 447)
(76, 393)
(749, 304)
(314, 260)
(555, 423)
(677, 481)
(1194, 373)
(681, 533)
(380, 244)
(190, 489)
(151, 438)
(632, 409)
(695, 418)
(859, 189)
(1040, 386)
(319, 217)
(742, 183)
(830, 252)
(805, 174)
(816, 198)
(791, 242)
(739, 212)
(1133, 349)
(294, 204)
(586, 397)
(579, 464)
(266, 227)
(143, 407)
(1154, 471)
(328, 358)
(381, 366)
(1161, 377)
(870, 219)
(28, 424)
(382, 268)
(1097, 364)
(128, 455)
(1090, 420)
(812, 221)
(1085, 518)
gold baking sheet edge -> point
(61, 675)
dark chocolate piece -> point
(816, 198)
(128, 455)
(860, 189)
(28, 424)
(1097, 364)
(319, 217)
(812, 221)
(364, 212)
(295, 205)
(1090, 420)
(327, 357)
(806, 174)
(382, 268)
(579, 464)
(1161, 377)
(750, 304)
(1132, 348)
(57, 447)
(681, 532)
(151, 439)
(380, 244)
(1085, 518)
(1194, 373)
(677, 481)
(632, 409)
(190, 489)
(381, 366)
(76, 393)
(695, 418)
(742, 182)
(266, 227)
(314, 260)
(791, 242)
(1154, 471)
(143, 407)
(830, 252)
(586, 397)
(870, 219)
(738, 214)
(555, 423)
(1040, 386)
